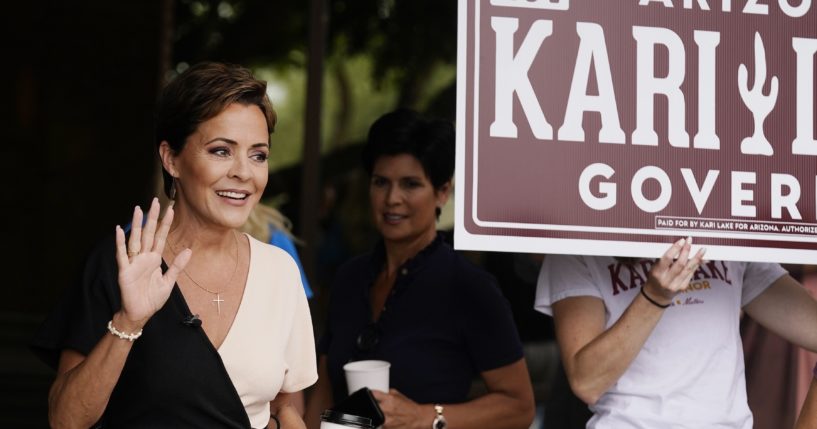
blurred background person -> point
(414, 302)
(778, 373)
(268, 225)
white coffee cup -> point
(373, 374)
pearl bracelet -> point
(122, 335)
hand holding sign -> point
(673, 271)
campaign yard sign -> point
(614, 127)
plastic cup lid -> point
(342, 419)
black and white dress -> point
(174, 377)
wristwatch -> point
(439, 421)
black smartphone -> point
(362, 403)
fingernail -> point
(155, 200)
(689, 239)
(680, 242)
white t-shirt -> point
(690, 373)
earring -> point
(173, 189)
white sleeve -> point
(757, 277)
(564, 276)
(299, 351)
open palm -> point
(143, 287)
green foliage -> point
(380, 54)
(407, 37)
(240, 31)
(287, 92)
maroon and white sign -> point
(614, 127)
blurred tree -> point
(249, 32)
(406, 39)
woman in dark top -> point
(220, 338)
(414, 302)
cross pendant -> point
(218, 302)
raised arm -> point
(788, 310)
(83, 386)
(595, 358)
(507, 405)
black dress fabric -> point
(173, 376)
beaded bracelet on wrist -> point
(122, 335)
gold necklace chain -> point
(175, 252)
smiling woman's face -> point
(222, 170)
(403, 199)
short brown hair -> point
(201, 93)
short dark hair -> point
(406, 131)
(200, 93)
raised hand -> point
(143, 287)
(673, 271)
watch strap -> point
(439, 421)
